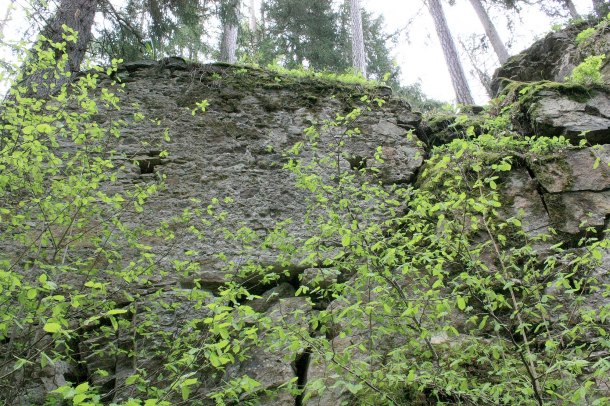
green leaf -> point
(82, 388)
(132, 379)
(461, 303)
(52, 327)
(185, 387)
(44, 128)
(45, 360)
(345, 240)
(32, 293)
(116, 311)
(115, 324)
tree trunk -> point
(572, 8)
(252, 15)
(79, 16)
(458, 78)
(229, 43)
(598, 7)
(490, 30)
(230, 19)
(358, 54)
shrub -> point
(588, 72)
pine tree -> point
(161, 28)
(302, 32)
(553, 8)
(571, 8)
(456, 71)
(229, 16)
(252, 22)
(599, 7)
(296, 33)
(358, 53)
(490, 30)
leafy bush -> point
(61, 226)
(585, 35)
(435, 292)
(446, 296)
(588, 72)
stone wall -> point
(235, 149)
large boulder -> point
(550, 58)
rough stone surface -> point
(573, 212)
(575, 171)
(276, 368)
(235, 149)
(554, 114)
(324, 371)
(525, 202)
(551, 58)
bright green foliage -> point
(585, 35)
(591, 46)
(434, 292)
(62, 222)
(302, 73)
(446, 287)
(588, 72)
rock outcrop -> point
(554, 57)
(236, 151)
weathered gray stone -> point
(524, 202)
(133, 66)
(270, 297)
(235, 149)
(275, 369)
(409, 120)
(575, 211)
(119, 355)
(554, 114)
(574, 170)
(319, 277)
(551, 58)
(333, 393)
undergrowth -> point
(437, 292)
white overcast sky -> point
(421, 57)
(418, 53)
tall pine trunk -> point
(490, 30)
(599, 7)
(229, 15)
(79, 16)
(358, 54)
(458, 78)
(229, 43)
(253, 15)
(572, 8)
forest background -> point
(406, 46)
